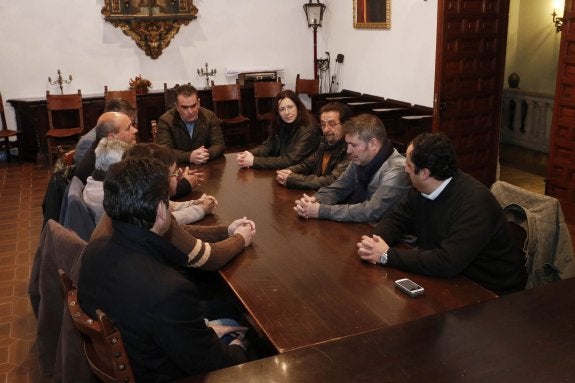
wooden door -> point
(470, 60)
(561, 162)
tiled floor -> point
(22, 188)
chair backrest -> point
(128, 95)
(267, 89)
(227, 100)
(2, 116)
(264, 94)
(306, 86)
(397, 104)
(519, 235)
(102, 342)
(228, 92)
(68, 157)
(65, 103)
(170, 96)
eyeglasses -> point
(331, 124)
(288, 108)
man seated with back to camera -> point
(330, 159)
(459, 225)
(130, 275)
(372, 183)
(193, 132)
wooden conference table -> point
(523, 337)
(301, 282)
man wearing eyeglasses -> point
(373, 183)
(330, 159)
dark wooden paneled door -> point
(470, 60)
(561, 163)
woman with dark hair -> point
(294, 136)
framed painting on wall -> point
(371, 14)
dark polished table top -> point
(301, 282)
(524, 337)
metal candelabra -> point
(207, 73)
(60, 81)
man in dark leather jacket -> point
(193, 132)
(330, 159)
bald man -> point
(112, 125)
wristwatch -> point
(383, 258)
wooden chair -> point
(170, 95)
(306, 86)
(265, 93)
(101, 341)
(227, 101)
(68, 157)
(154, 129)
(63, 132)
(128, 95)
(309, 87)
(5, 134)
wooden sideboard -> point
(32, 116)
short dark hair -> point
(120, 105)
(186, 90)
(133, 189)
(341, 108)
(434, 151)
(151, 150)
(366, 126)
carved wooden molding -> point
(150, 23)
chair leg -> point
(50, 154)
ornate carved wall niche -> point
(150, 23)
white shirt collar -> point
(437, 191)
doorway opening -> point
(531, 70)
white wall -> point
(40, 37)
(398, 63)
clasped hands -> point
(199, 156)
(245, 159)
(207, 202)
(307, 207)
(282, 176)
(194, 177)
(244, 227)
(371, 248)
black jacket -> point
(131, 277)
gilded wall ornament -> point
(150, 23)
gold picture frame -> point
(150, 23)
(372, 14)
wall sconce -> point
(314, 14)
(558, 21)
(558, 5)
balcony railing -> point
(526, 119)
